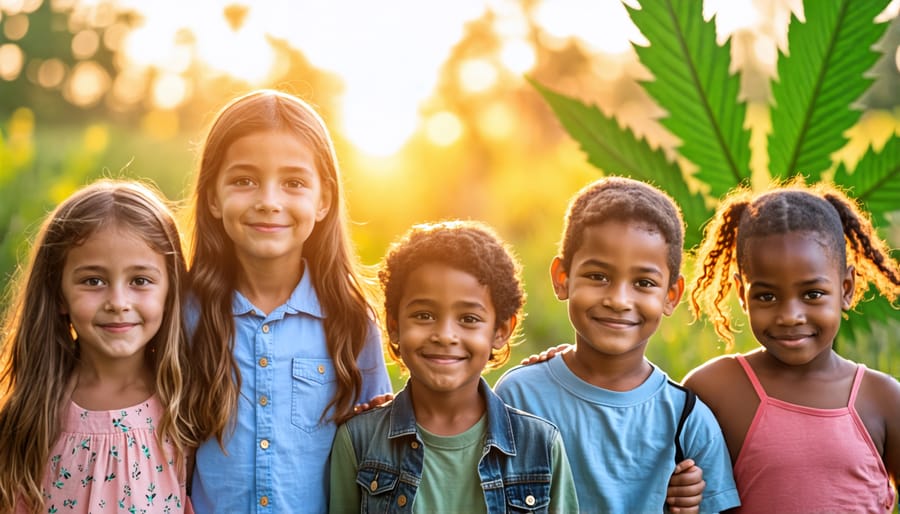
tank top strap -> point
(860, 371)
(752, 376)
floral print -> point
(111, 462)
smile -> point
(117, 327)
(615, 322)
(266, 227)
(443, 360)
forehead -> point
(623, 243)
(438, 279)
(115, 243)
(793, 254)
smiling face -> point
(446, 329)
(269, 196)
(114, 288)
(794, 292)
(617, 288)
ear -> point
(504, 332)
(560, 279)
(324, 202)
(848, 286)
(739, 287)
(213, 203)
(393, 330)
(673, 296)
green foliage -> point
(819, 78)
(818, 82)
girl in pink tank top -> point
(808, 431)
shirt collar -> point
(499, 427)
(303, 299)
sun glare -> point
(389, 55)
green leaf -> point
(617, 150)
(875, 310)
(693, 83)
(876, 180)
(819, 81)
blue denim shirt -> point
(276, 460)
(516, 468)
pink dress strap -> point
(860, 371)
(752, 376)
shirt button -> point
(263, 362)
(373, 485)
(265, 329)
(529, 500)
(414, 445)
(264, 444)
(263, 401)
(321, 369)
(264, 501)
(401, 501)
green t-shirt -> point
(450, 481)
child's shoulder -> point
(881, 386)
(523, 373)
(716, 370)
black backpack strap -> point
(690, 399)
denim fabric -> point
(515, 467)
(276, 459)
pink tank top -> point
(804, 459)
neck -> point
(112, 384)
(447, 413)
(269, 284)
(611, 372)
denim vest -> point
(514, 468)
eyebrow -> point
(239, 166)
(805, 283)
(93, 268)
(641, 269)
(424, 302)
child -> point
(618, 269)
(284, 340)
(807, 429)
(93, 358)
(447, 443)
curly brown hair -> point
(469, 246)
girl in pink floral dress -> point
(91, 387)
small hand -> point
(547, 354)
(685, 488)
(376, 401)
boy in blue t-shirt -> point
(619, 270)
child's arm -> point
(547, 354)
(886, 393)
(376, 401)
(563, 497)
(685, 488)
(344, 493)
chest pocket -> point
(379, 486)
(528, 496)
(313, 386)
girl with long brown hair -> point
(284, 339)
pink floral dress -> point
(110, 462)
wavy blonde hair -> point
(38, 353)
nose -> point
(616, 296)
(444, 333)
(792, 313)
(269, 198)
(118, 299)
